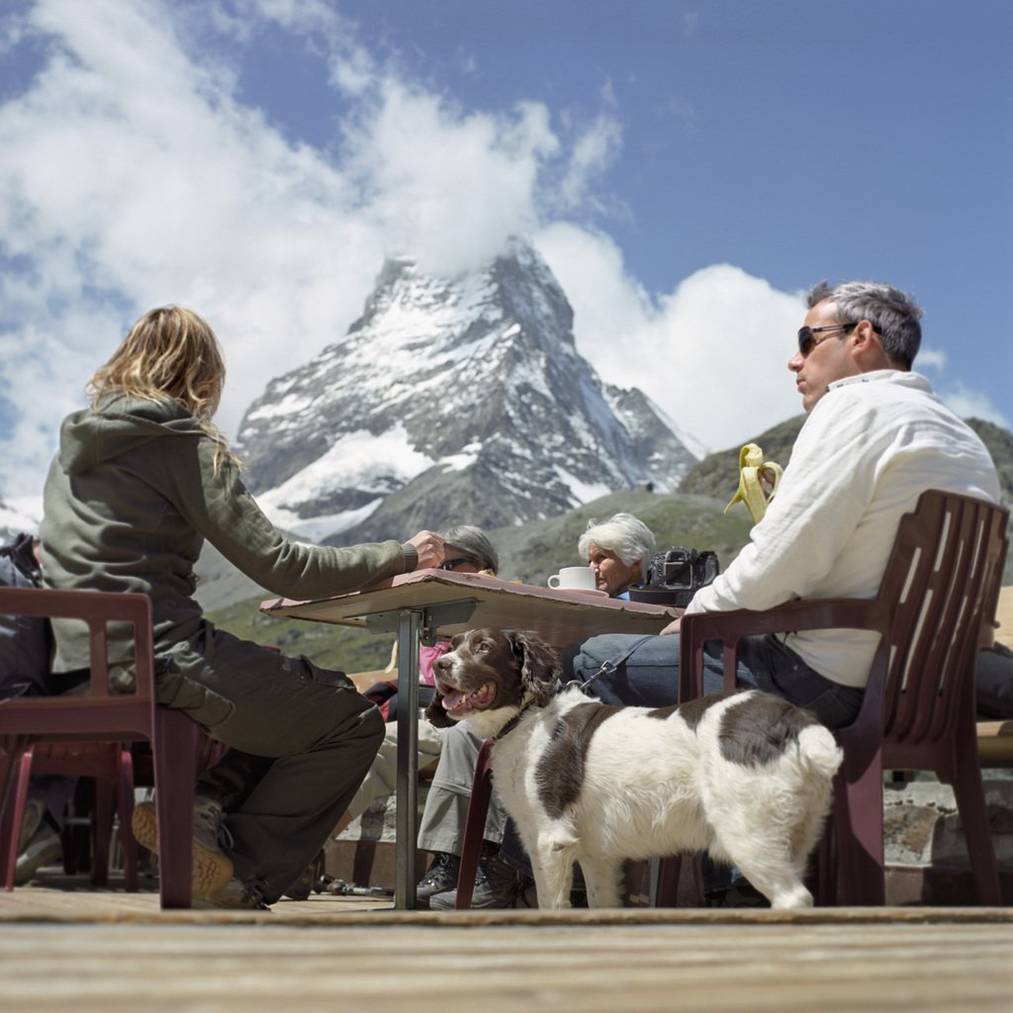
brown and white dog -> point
(746, 777)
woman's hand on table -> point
(430, 548)
(672, 627)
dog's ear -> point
(539, 665)
(436, 715)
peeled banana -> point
(758, 482)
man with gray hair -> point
(875, 439)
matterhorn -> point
(451, 400)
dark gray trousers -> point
(300, 742)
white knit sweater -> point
(872, 444)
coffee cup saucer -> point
(592, 591)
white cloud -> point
(930, 358)
(12, 31)
(713, 353)
(592, 153)
(143, 179)
(445, 185)
(242, 19)
(133, 177)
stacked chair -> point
(88, 733)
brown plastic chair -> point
(99, 716)
(115, 770)
(111, 766)
(474, 826)
(941, 581)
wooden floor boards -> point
(109, 951)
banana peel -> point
(758, 482)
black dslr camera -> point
(673, 577)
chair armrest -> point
(698, 628)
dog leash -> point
(608, 667)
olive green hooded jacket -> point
(129, 500)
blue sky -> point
(687, 169)
(842, 138)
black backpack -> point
(26, 643)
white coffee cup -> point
(579, 578)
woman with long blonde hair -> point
(141, 479)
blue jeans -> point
(649, 676)
(993, 678)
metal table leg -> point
(409, 625)
(413, 626)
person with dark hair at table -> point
(468, 550)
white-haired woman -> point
(619, 551)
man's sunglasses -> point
(807, 339)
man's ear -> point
(866, 348)
(436, 715)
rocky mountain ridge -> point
(448, 400)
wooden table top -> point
(560, 617)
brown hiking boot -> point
(236, 895)
(212, 867)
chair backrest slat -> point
(947, 564)
(968, 589)
(902, 591)
(929, 700)
(98, 658)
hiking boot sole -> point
(212, 869)
(479, 902)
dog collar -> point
(511, 724)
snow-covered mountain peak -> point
(450, 399)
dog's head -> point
(494, 673)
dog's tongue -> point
(452, 699)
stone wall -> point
(924, 839)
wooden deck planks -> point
(336, 953)
(449, 969)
